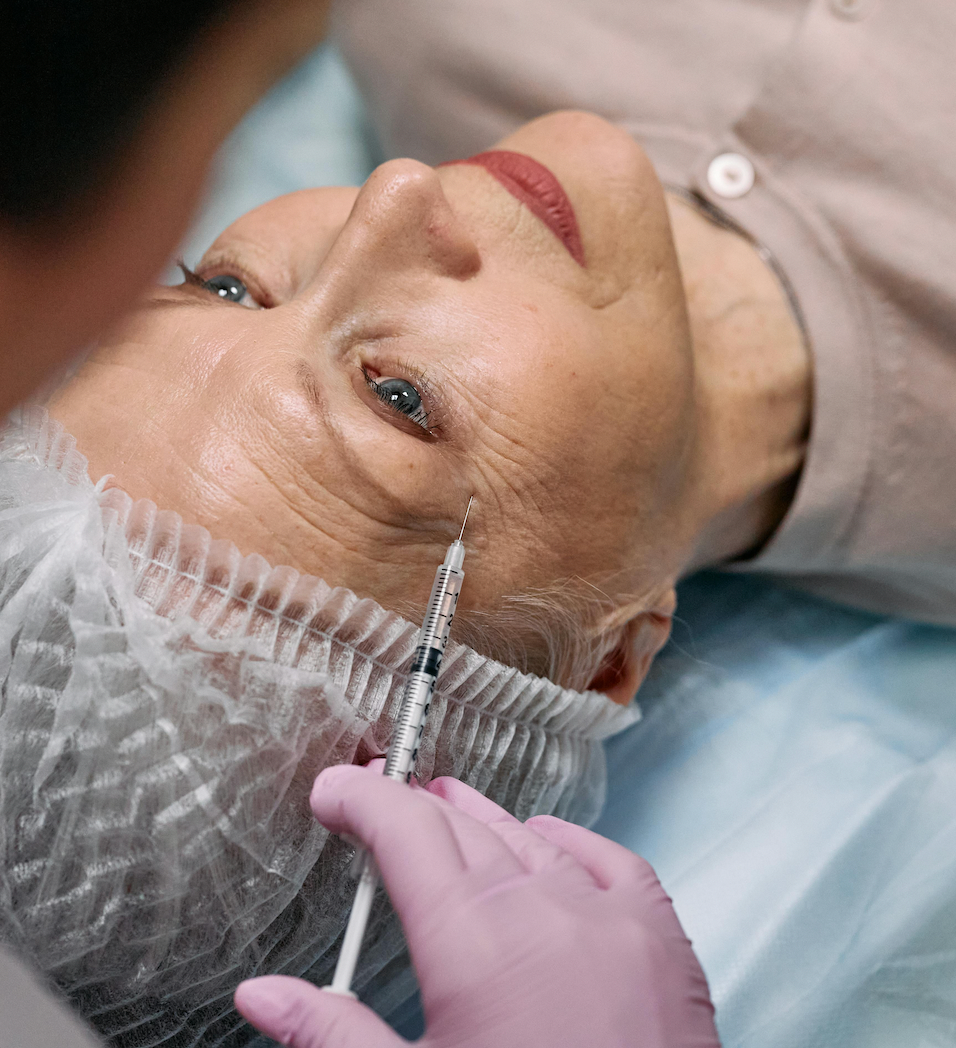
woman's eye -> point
(231, 289)
(400, 396)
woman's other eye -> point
(400, 396)
(231, 289)
(222, 285)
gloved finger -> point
(377, 764)
(535, 851)
(422, 844)
(297, 1014)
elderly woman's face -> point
(349, 366)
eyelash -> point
(193, 278)
(422, 417)
(190, 276)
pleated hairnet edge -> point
(148, 660)
(297, 620)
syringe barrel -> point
(440, 612)
(402, 754)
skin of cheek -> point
(532, 397)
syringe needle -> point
(465, 521)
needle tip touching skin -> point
(465, 521)
(411, 343)
(347, 366)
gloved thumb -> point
(297, 1014)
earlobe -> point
(626, 665)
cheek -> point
(584, 449)
(554, 391)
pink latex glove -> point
(534, 935)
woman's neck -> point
(753, 380)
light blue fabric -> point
(793, 782)
(794, 778)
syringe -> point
(403, 752)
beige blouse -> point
(824, 128)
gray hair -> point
(564, 632)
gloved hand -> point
(534, 935)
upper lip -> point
(535, 186)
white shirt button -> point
(730, 175)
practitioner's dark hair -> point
(75, 77)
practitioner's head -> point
(558, 393)
(111, 113)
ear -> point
(625, 666)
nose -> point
(402, 220)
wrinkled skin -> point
(561, 396)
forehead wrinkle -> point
(379, 553)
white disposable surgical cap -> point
(166, 705)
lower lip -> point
(537, 188)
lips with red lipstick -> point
(537, 188)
